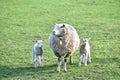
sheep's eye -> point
(62, 26)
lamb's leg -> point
(89, 58)
(40, 60)
(33, 58)
(65, 64)
(80, 60)
(59, 64)
(71, 62)
(85, 58)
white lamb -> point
(37, 52)
(84, 52)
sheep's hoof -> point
(71, 63)
(85, 64)
(79, 64)
(89, 61)
(65, 70)
(58, 70)
(32, 63)
(41, 66)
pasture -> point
(22, 21)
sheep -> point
(84, 52)
(37, 53)
(64, 41)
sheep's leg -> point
(65, 64)
(71, 60)
(59, 64)
(65, 61)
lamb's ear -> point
(54, 24)
(81, 38)
(34, 40)
(42, 40)
(89, 38)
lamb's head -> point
(60, 30)
(39, 43)
(84, 41)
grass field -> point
(22, 21)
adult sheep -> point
(64, 41)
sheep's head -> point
(39, 43)
(59, 30)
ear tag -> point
(60, 42)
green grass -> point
(22, 21)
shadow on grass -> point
(11, 72)
(17, 71)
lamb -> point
(64, 41)
(37, 52)
(84, 52)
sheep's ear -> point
(63, 26)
